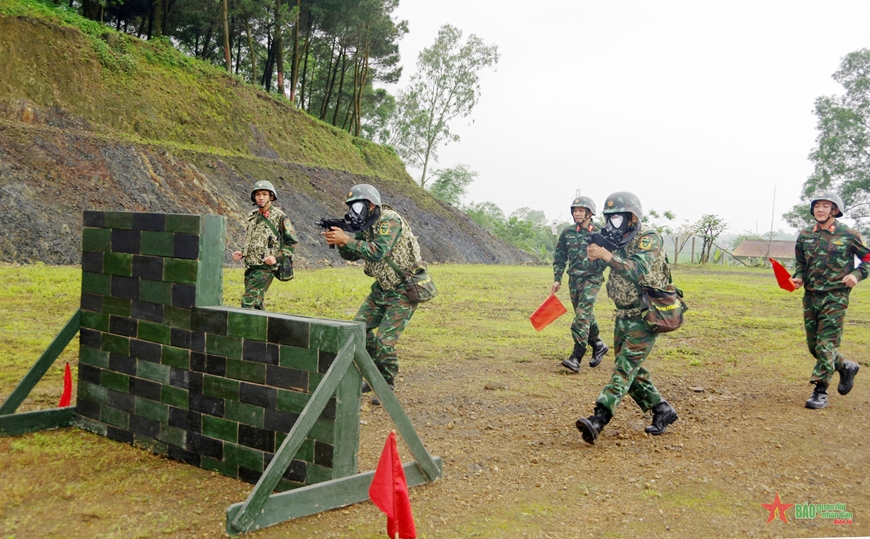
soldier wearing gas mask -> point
(585, 277)
(382, 234)
(263, 247)
(636, 258)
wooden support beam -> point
(13, 424)
(252, 507)
(319, 497)
(403, 424)
(38, 370)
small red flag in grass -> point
(389, 491)
(67, 388)
(783, 277)
(550, 310)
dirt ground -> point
(501, 416)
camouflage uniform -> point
(641, 262)
(261, 242)
(584, 278)
(387, 308)
(823, 257)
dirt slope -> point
(92, 119)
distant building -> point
(756, 252)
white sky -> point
(695, 106)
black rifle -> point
(327, 223)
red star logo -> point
(777, 505)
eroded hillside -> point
(93, 119)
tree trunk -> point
(157, 25)
(226, 21)
(253, 54)
(330, 80)
(305, 65)
(279, 46)
(294, 63)
(340, 89)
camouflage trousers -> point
(584, 328)
(632, 343)
(257, 281)
(387, 312)
(824, 314)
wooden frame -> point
(263, 509)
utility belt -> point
(261, 267)
(836, 291)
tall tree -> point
(842, 154)
(451, 183)
(446, 86)
(709, 228)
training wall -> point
(163, 366)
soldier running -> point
(584, 280)
(825, 266)
(638, 259)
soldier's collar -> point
(830, 229)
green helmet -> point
(363, 191)
(830, 196)
(584, 202)
(623, 202)
(263, 185)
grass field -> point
(514, 464)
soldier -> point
(825, 265)
(637, 259)
(382, 234)
(584, 280)
(263, 246)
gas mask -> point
(617, 232)
(359, 216)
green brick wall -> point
(165, 367)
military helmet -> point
(584, 202)
(830, 196)
(363, 191)
(623, 202)
(263, 185)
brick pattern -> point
(212, 386)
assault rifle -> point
(327, 223)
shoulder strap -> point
(389, 259)
(270, 225)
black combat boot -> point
(366, 388)
(598, 351)
(819, 398)
(663, 415)
(573, 362)
(847, 377)
(590, 426)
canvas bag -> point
(664, 308)
(419, 286)
(284, 272)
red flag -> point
(389, 491)
(782, 276)
(550, 310)
(67, 388)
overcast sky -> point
(696, 106)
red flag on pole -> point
(550, 310)
(389, 491)
(782, 276)
(67, 388)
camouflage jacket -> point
(571, 252)
(390, 236)
(823, 257)
(261, 242)
(640, 263)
